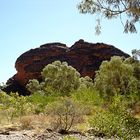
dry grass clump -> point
(26, 122)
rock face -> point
(85, 57)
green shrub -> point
(14, 105)
(40, 101)
(109, 124)
(136, 72)
(116, 121)
(33, 86)
(115, 77)
(86, 82)
(8, 104)
(58, 77)
(88, 96)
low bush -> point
(13, 105)
(65, 114)
(88, 96)
(40, 101)
(116, 121)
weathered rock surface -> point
(34, 135)
(85, 57)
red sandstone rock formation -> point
(85, 57)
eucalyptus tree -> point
(116, 77)
(127, 10)
(56, 77)
(59, 77)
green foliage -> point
(7, 105)
(57, 77)
(136, 66)
(65, 113)
(112, 9)
(60, 77)
(69, 138)
(87, 96)
(86, 82)
(40, 101)
(117, 80)
(23, 107)
(115, 77)
(116, 121)
(136, 73)
(14, 105)
(33, 86)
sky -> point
(27, 24)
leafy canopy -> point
(128, 10)
(59, 77)
(116, 77)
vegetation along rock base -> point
(65, 105)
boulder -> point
(83, 56)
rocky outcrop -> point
(85, 57)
